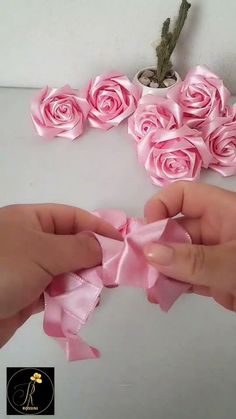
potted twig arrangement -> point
(162, 77)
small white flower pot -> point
(158, 91)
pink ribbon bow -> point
(71, 298)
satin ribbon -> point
(152, 114)
(59, 112)
(220, 138)
(176, 154)
(112, 98)
(71, 299)
(202, 96)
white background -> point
(57, 41)
(179, 365)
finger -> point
(9, 326)
(212, 266)
(190, 199)
(193, 227)
(57, 254)
(64, 219)
(38, 305)
(50, 256)
(201, 290)
(225, 299)
(7, 329)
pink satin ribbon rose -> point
(173, 155)
(112, 98)
(231, 112)
(220, 137)
(202, 96)
(152, 113)
(71, 299)
(59, 112)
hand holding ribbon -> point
(70, 299)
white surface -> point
(179, 365)
(57, 41)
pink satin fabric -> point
(154, 113)
(112, 98)
(202, 96)
(220, 138)
(59, 112)
(170, 155)
(71, 299)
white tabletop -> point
(179, 365)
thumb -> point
(58, 254)
(212, 266)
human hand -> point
(209, 216)
(38, 242)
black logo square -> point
(30, 391)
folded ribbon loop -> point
(71, 298)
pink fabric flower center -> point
(59, 111)
(107, 104)
(176, 164)
(226, 148)
(197, 97)
(148, 124)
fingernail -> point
(159, 253)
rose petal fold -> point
(59, 112)
(112, 98)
